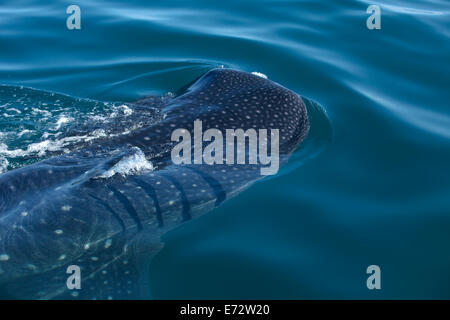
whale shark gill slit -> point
(214, 184)
(128, 206)
(152, 194)
(108, 207)
(186, 207)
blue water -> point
(377, 193)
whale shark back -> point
(104, 207)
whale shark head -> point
(104, 207)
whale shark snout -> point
(104, 207)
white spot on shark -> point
(31, 266)
(66, 208)
(108, 243)
(4, 257)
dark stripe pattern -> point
(152, 194)
(127, 205)
(104, 204)
(186, 212)
(221, 195)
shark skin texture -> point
(67, 210)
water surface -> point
(377, 193)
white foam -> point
(10, 153)
(259, 74)
(15, 110)
(62, 120)
(44, 112)
(41, 148)
(122, 109)
(127, 111)
(98, 118)
(130, 165)
(3, 164)
(21, 133)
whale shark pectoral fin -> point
(127, 277)
(124, 275)
(145, 251)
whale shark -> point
(95, 209)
